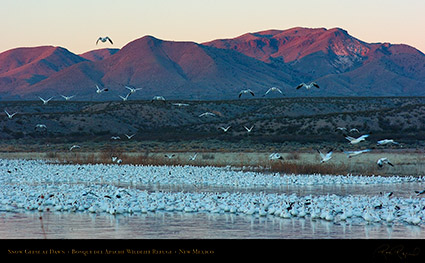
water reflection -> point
(167, 225)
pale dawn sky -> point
(77, 24)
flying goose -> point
(308, 86)
(354, 153)
(225, 129)
(354, 130)
(180, 104)
(132, 90)
(129, 136)
(67, 97)
(10, 116)
(74, 147)
(98, 90)
(115, 138)
(45, 101)
(193, 157)
(126, 97)
(356, 140)
(207, 114)
(41, 126)
(386, 141)
(169, 156)
(275, 156)
(159, 98)
(383, 161)
(273, 89)
(248, 129)
(246, 91)
(104, 39)
(325, 157)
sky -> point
(77, 24)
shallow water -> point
(164, 225)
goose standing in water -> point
(104, 39)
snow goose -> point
(246, 91)
(45, 101)
(158, 98)
(308, 86)
(420, 192)
(354, 130)
(325, 157)
(115, 138)
(386, 141)
(225, 129)
(193, 157)
(40, 126)
(248, 129)
(207, 114)
(129, 136)
(132, 90)
(169, 156)
(181, 104)
(125, 98)
(355, 153)
(383, 161)
(275, 156)
(273, 89)
(74, 147)
(99, 90)
(10, 116)
(104, 39)
(67, 97)
(356, 140)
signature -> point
(399, 251)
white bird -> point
(126, 97)
(354, 130)
(308, 86)
(132, 90)
(67, 97)
(10, 116)
(129, 136)
(193, 157)
(341, 128)
(104, 39)
(225, 129)
(169, 156)
(386, 141)
(356, 140)
(383, 161)
(420, 192)
(325, 157)
(114, 158)
(354, 153)
(115, 138)
(246, 91)
(98, 90)
(159, 98)
(74, 147)
(248, 129)
(40, 126)
(207, 114)
(180, 104)
(45, 101)
(275, 156)
(273, 89)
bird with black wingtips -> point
(383, 161)
(104, 39)
(272, 89)
(10, 116)
(325, 157)
(308, 86)
(246, 91)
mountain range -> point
(341, 64)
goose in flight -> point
(354, 130)
(158, 98)
(325, 157)
(420, 192)
(308, 86)
(273, 89)
(67, 97)
(225, 129)
(193, 157)
(10, 116)
(180, 104)
(40, 126)
(386, 141)
(246, 91)
(207, 114)
(169, 156)
(356, 140)
(275, 156)
(355, 153)
(45, 101)
(74, 147)
(104, 39)
(126, 97)
(115, 138)
(248, 129)
(132, 90)
(98, 90)
(129, 136)
(383, 161)
(341, 129)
